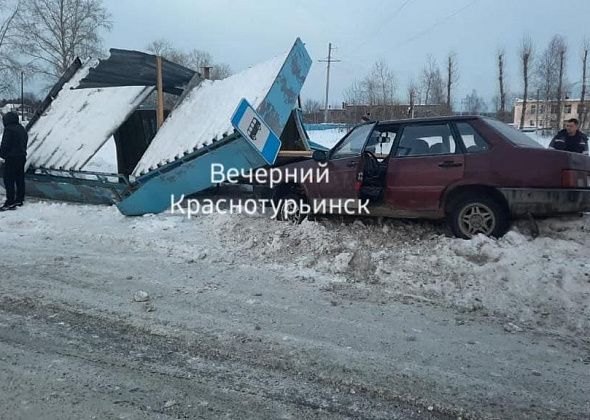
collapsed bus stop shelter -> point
(103, 99)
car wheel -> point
(290, 208)
(478, 214)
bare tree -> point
(312, 111)
(55, 32)
(452, 78)
(582, 111)
(8, 63)
(474, 104)
(194, 59)
(526, 57)
(432, 83)
(501, 108)
(378, 88)
(311, 106)
(547, 70)
(561, 50)
(413, 97)
(548, 76)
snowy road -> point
(253, 318)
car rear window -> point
(513, 135)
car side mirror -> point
(319, 155)
(384, 138)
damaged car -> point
(475, 173)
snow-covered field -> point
(542, 284)
(327, 138)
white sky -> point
(241, 33)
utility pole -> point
(329, 60)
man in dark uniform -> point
(571, 139)
(13, 150)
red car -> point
(475, 172)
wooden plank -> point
(160, 86)
(295, 153)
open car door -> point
(345, 165)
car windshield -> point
(353, 143)
(513, 135)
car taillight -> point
(574, 179)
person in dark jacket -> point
(570, 139)
(13, 150)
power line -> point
(381, 23)
(438, 22)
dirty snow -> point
(541, 284)
(204, 115)
(79, 122)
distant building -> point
(354, 113)
(543, 114)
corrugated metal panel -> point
(134, 68)
(79, 122)
(68, 74)
(204, 114)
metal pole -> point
(22, 95)
(537, 113)
(328, 83)
(160, 88)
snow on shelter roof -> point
(204, 114)
(79, 121)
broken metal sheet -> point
(79, 121)
(87, 187)
(152, 193)
(65, 78)
(134, 68)
(204, 114)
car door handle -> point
(450, 164)
(351, 164)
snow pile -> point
(541, 283)
(204, 115)
(79, 122)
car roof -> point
(431, 119)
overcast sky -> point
(402, 32)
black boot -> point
(8, 206)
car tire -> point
(474, 214)
(291, 214)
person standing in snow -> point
(13, 150)
(571, 139)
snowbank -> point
(542, 283)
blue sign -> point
(251, 125)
